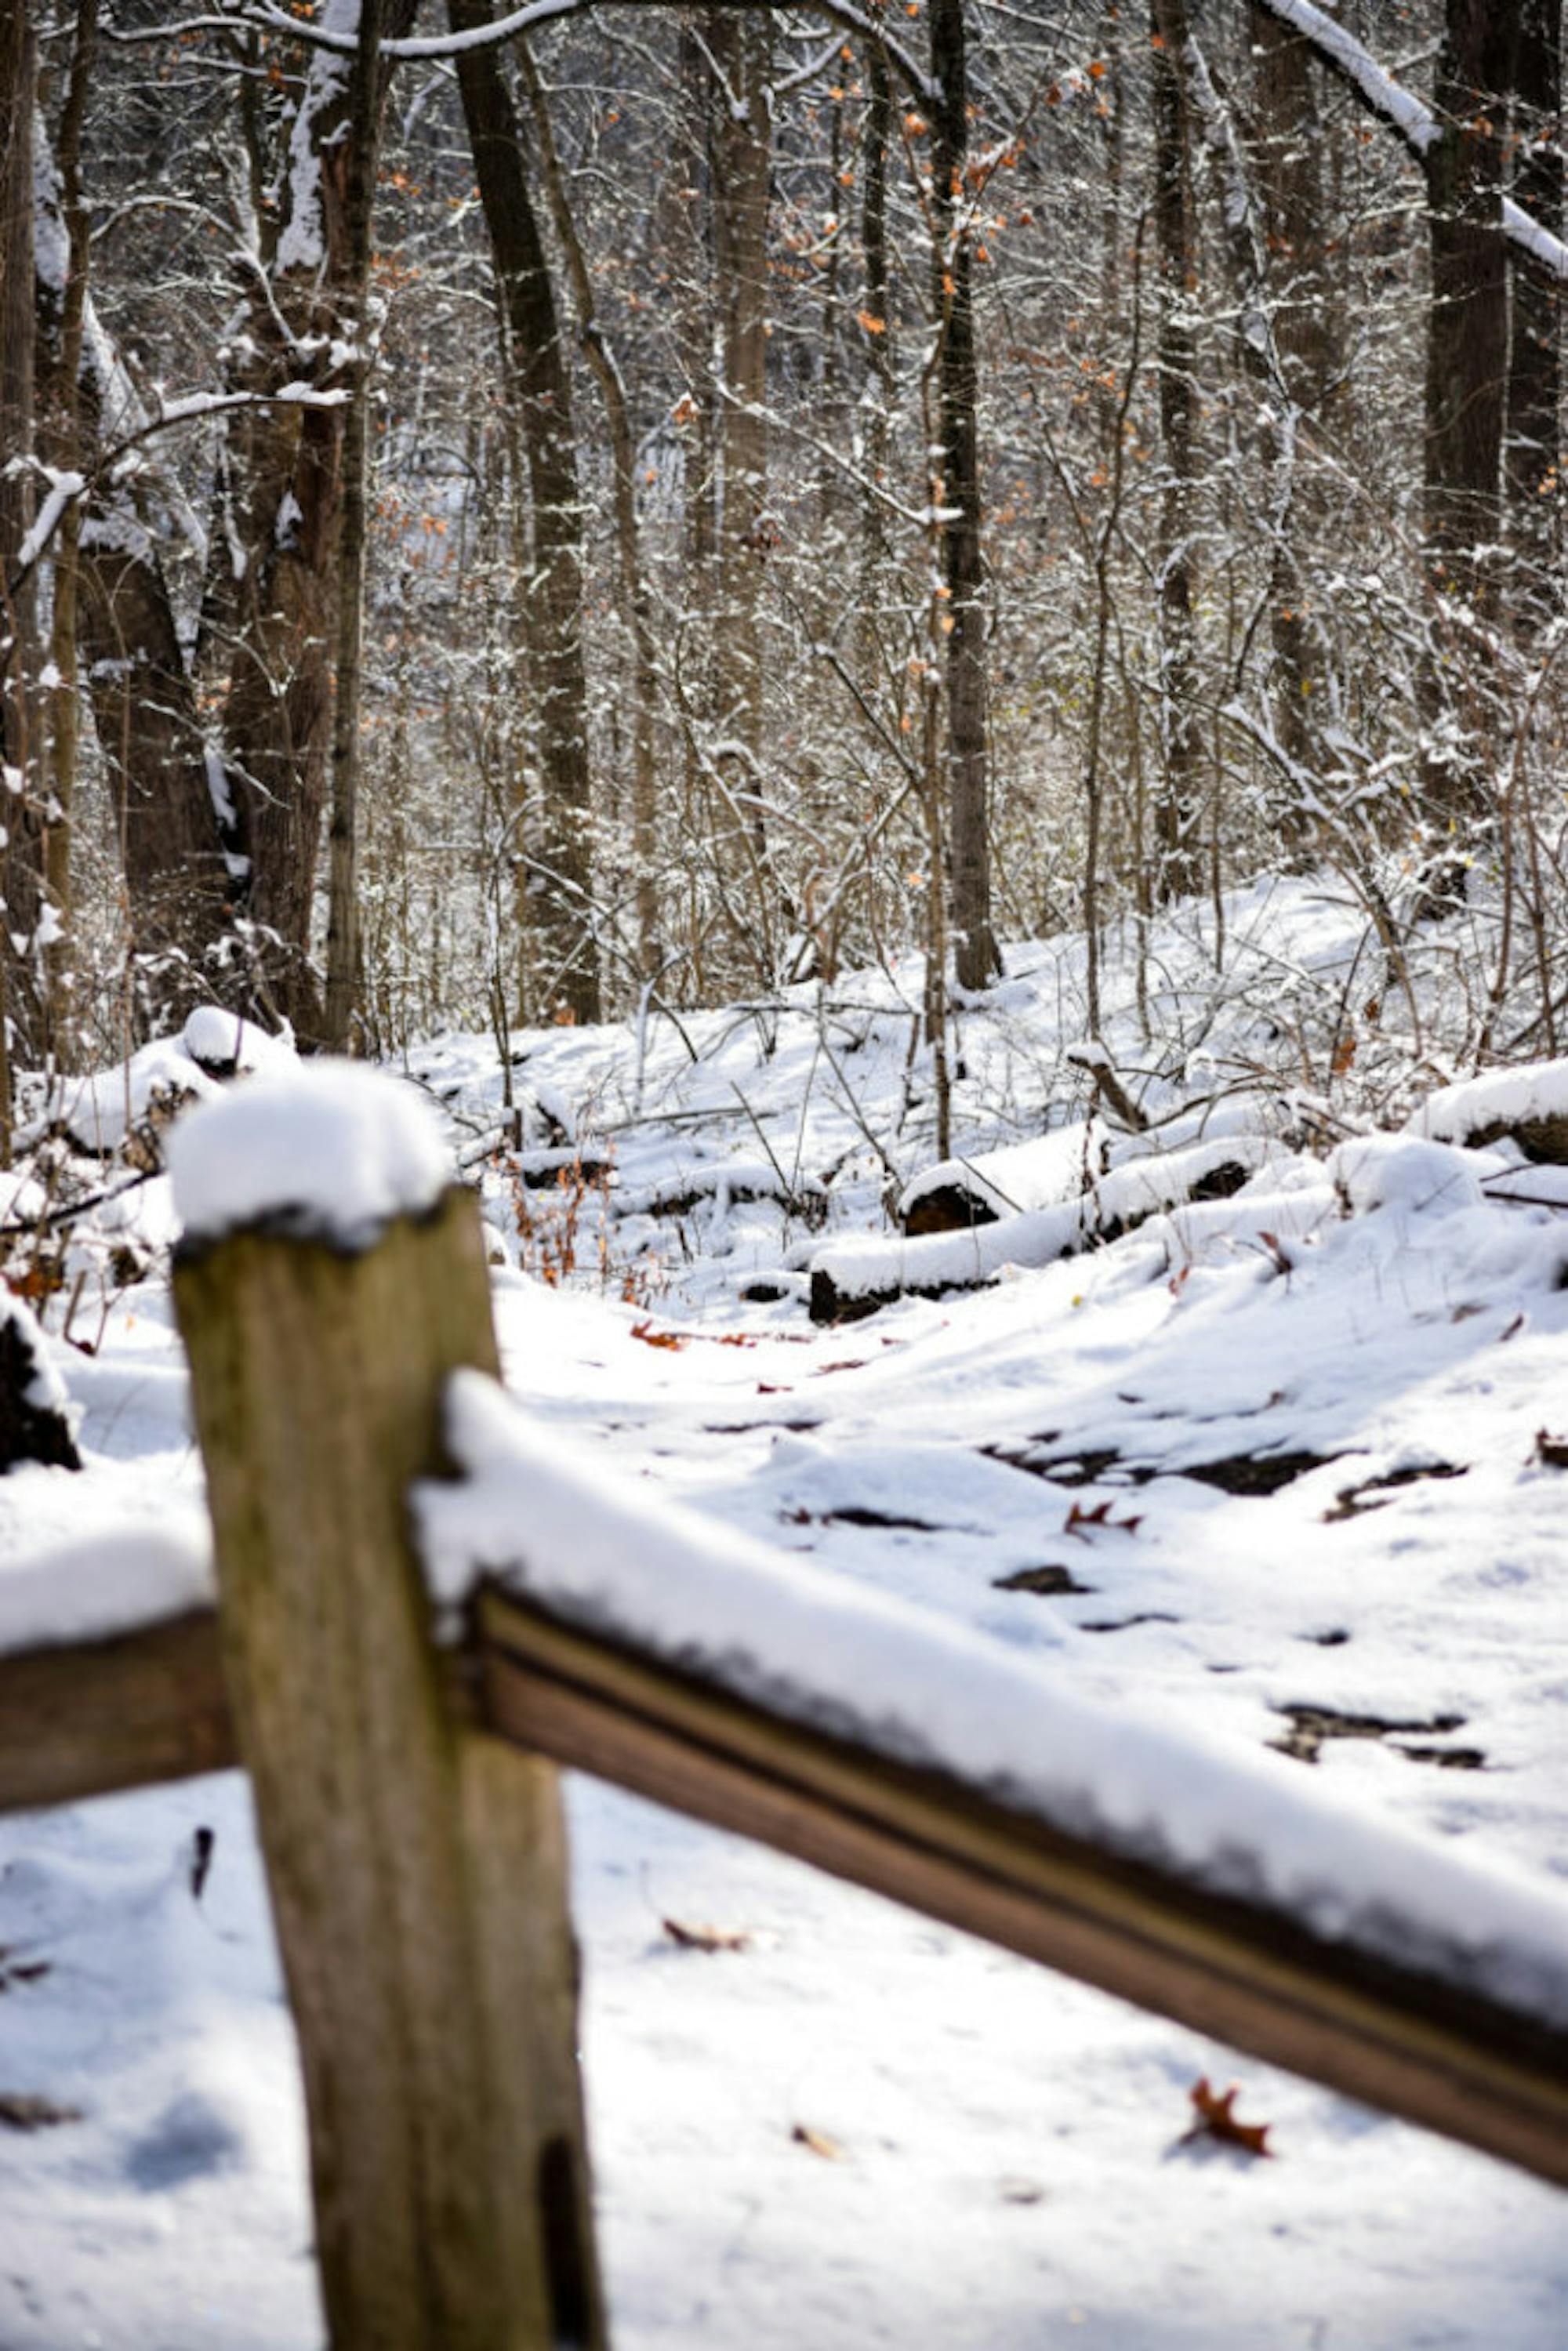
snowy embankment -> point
(1282, 1470)
(332, 1151)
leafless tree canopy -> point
(681, 500)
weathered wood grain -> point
(417, 1868)
(100, 1717)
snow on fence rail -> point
(342, 1362)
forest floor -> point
(1288, 1467)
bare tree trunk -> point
(22, 1023)
(1535, 357)
(149, 732)
(956, 494)
(832, 418)
(635, 601)
(284, 470)
(685, 225)
(342, 913)
(1466, 380)
(1177, 812)
(741, 45)
(557, 868)
(1306, 324)
(1112, 160)
(278, 707)
(113, 619)
(876, 323)
(1467, 348)
(59, 401)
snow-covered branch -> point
(65, 487)
(62, 489)
(841, 13)
(1393, 104)
(1412, 121)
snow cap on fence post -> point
(332, 1280)
(328, 1149)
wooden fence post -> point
(417, 1866)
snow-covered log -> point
(1529, 1105)
(1017, 1179)
(849, 1279)
(724, 1182)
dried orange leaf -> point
(652, 1337)
(1217, 2119)
(707, 1938)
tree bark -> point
(740, 43)
(149, 733)
(59, 403)
(877, 397)
(1534, 500)
(114, 625)
(1178, 807)
(556, 905)
(284, 465)
(342, 910)
(1307, 319)
(22, 1016)
(636, 602)
(1307, 326)
(956, 496)
(683, 227)
(1467, 382)
(1466, 348)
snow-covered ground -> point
(1282, 1468)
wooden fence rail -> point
(411, 1826)
(101, 1716)
(1387, 2035)
(150, 1706)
